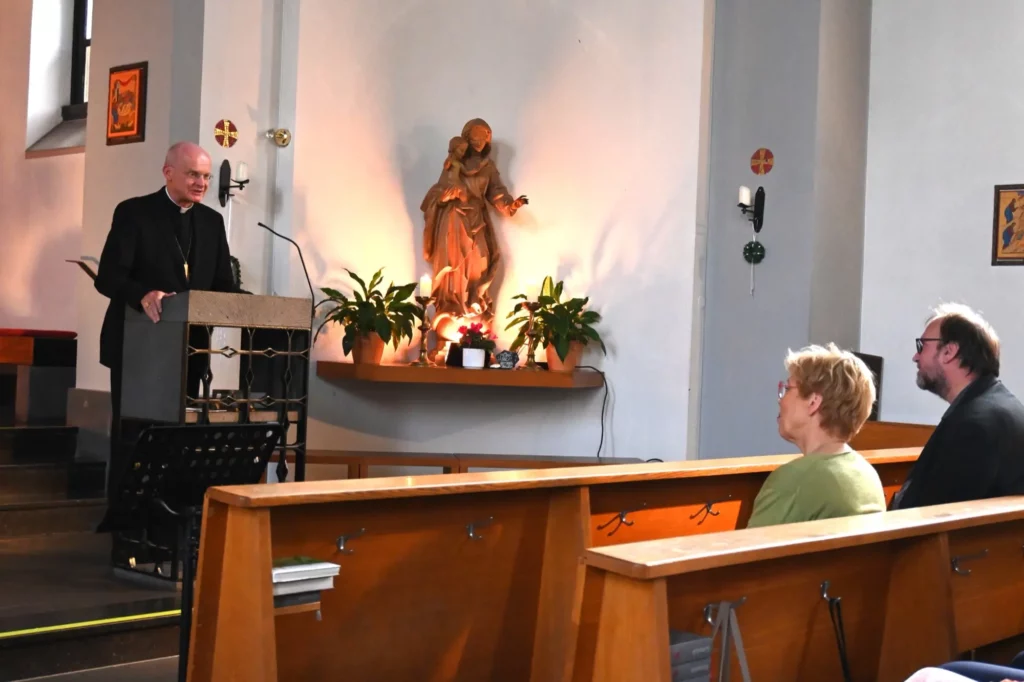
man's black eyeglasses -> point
(920, 343)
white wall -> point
(944, 116)
(50, 65)
(595, 108)
(792, 76)
(764, 94)
(245, 30)
(40, 200)
(844, 58)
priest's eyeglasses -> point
(920, 342)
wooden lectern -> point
(167, 380)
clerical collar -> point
(180, 207)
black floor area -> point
(62, 609)
(49, 578)
(159, 670)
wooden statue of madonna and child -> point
(459, 240)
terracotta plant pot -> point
(367, 350)
(572, 359)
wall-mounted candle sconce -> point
(753, 251)
(226, 184)
(755, 211)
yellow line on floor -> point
(89, 623)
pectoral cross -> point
(186, 272)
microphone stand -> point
(312, 298)
(312, 315)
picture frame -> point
(1008, 225)
(126, 104)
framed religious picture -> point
(1008, 226)
(126, 104)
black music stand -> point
(166, 480)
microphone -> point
(312, 298)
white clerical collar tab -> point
(180, 208)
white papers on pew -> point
(294, 576)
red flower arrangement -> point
(474, 336)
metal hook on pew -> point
(708, 509)
(342, 539)
(471, 528)
(709, 609)
(835, 613)
(621, 518)
(955, 561)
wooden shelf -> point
(408, 374)
(312, 607)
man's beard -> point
(933, 384)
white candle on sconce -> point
(426, 285)
(241, 172)
(745, 195)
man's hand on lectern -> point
(152, 304)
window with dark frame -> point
(81, 42)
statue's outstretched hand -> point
(452, 193)
(520, 202)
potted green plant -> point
(520, 314)
(372, 317)
(476, 345)
(564, 328)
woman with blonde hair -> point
(823, 403)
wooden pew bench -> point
(917, 586)
(879, 435)
(444, 577)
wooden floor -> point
(159, 670)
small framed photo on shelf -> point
(126, 104)
(1008, 225)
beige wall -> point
(40, 200)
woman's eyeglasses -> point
(783, 387)
(920, 342)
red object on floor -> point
(39, 333)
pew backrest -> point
(918, 587)
(492, 561)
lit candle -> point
(426, 285)
(745, 195)
(242, 172)
(533, 292)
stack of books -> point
(300, 580)
(690, 654)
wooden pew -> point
(918, 587)
(358, 463)
(879, 435)
(457, 577)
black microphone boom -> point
(312, 298)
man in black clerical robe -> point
(158, 245)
